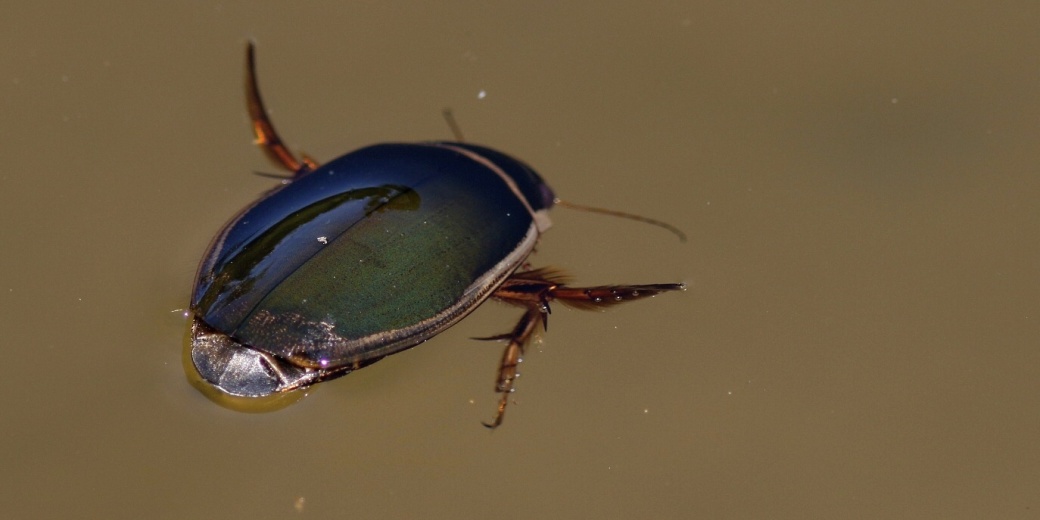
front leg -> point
(534, 290)
(263, 129)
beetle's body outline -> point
(258, 326)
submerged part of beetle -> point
(370, 254)
(242, 371)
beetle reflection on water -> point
(373, 253)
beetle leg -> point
(535, 289)
(511, 357)
(530, 289)
(456, 131)
(541, 286)
(266, 136)
(607, 295)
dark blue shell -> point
(371, 253)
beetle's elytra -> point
(370, 254)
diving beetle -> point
(370, 254)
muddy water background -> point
(859, 181)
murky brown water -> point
(859, 183)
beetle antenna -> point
(631, 216)
(449, 117)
